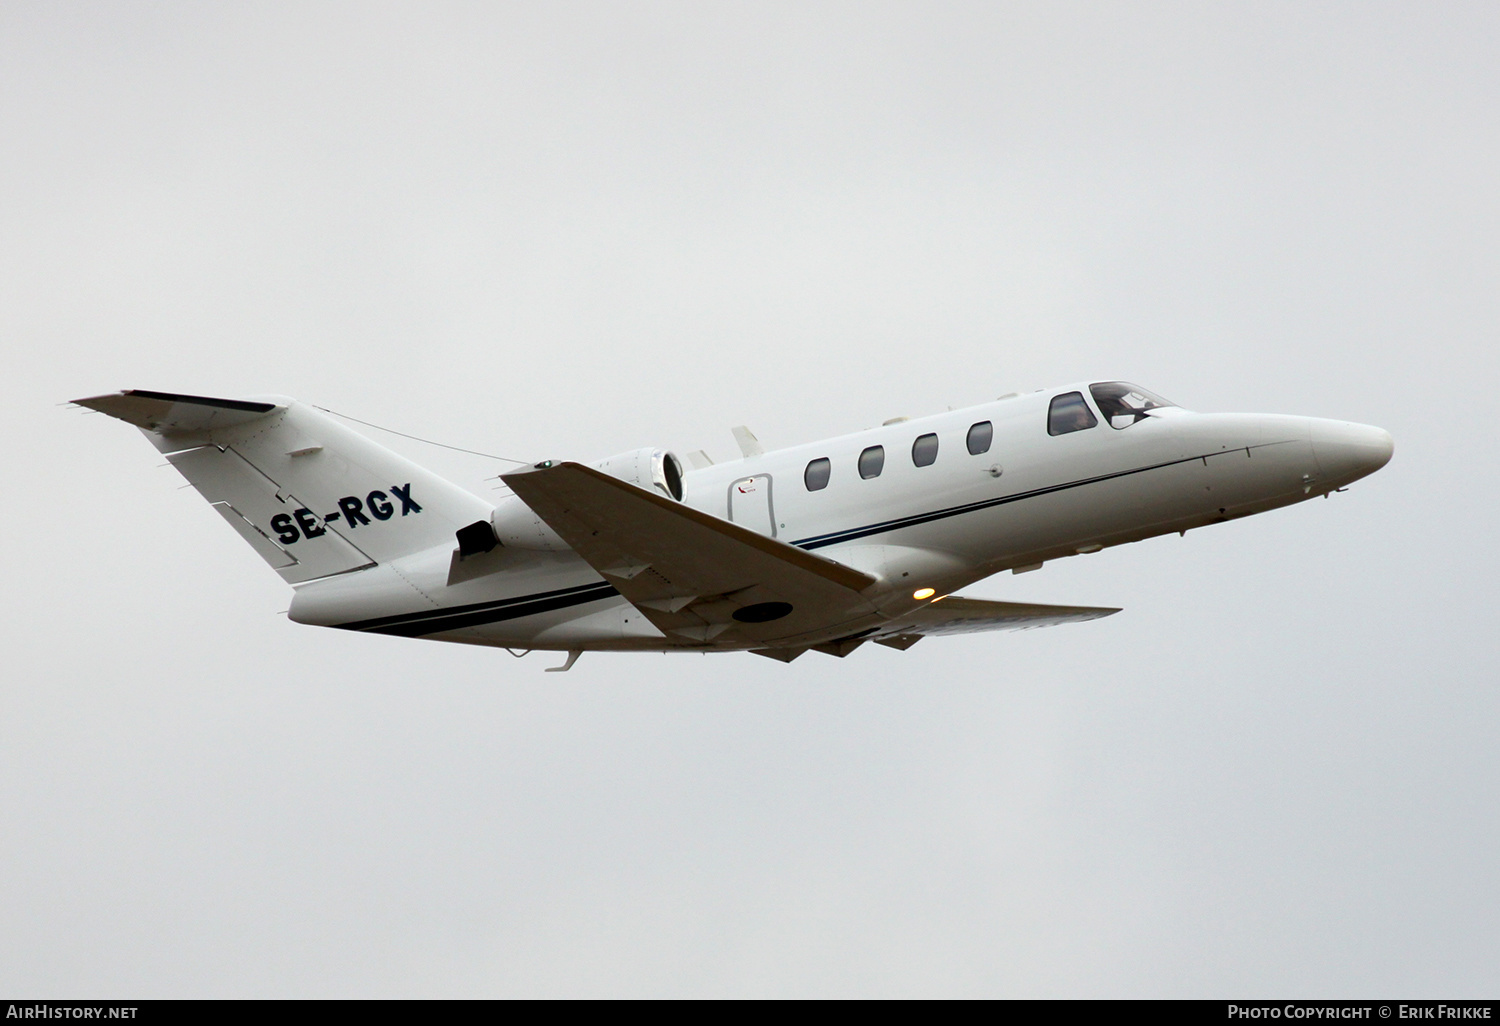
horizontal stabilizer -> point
(692, 574)
(170, 413)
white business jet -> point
(820, 547)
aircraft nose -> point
(1347, 452)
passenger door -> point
(750, 504)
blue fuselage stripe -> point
(821, 540)
(436, 621)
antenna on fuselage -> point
(748, 443)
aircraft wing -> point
(690, 573)
(958, 615)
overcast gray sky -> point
(567, 230)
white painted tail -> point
(310, 495)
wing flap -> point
(691, 574)
(958, 615)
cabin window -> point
(924, 450)
(1068, 413)
(980, 436)
(872, 462)
(816, 475)
(1123, 403)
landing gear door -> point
(750, 504)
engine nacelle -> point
(517, 527)
(657, 470)
(652, 469)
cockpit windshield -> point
(1123, 403)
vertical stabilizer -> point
(312, 496)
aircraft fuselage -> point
(947, 500)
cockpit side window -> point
(1123, 403)
(1068, 413)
